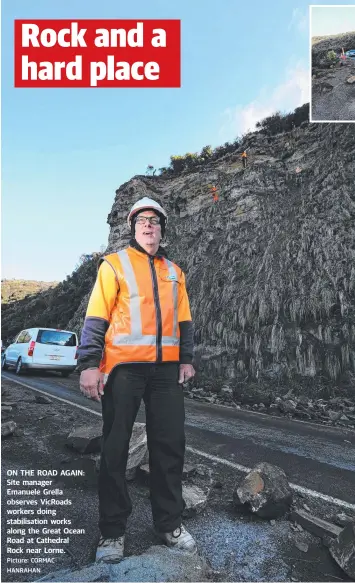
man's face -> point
(148, 234)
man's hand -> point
(91, 383)
(186, 372)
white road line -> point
(239, 467)
(50, 395)
(321, 496)
(220, 460)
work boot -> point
(179, 539)
(110, 550)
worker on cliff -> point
(244, 158)
(298, 171)
(137, 342)
(214, 193)
(342, 57)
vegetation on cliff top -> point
(271, 125)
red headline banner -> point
(97, 53)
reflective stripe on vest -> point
(174, 279)
(137, 338)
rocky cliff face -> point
(270, 267)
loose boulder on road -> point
(265, 491)
(86, 438)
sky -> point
(66, 151)
(332, 20)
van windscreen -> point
(56, 337)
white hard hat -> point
(146, 203)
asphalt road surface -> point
(315, 457)
(238, 545)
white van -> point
(42, 348)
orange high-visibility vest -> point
(143, 298)
(244, 155)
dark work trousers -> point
(244, 162)
(165, 417)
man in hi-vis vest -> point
(137, 342)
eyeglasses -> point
(153, 220)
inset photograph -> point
(332, 47)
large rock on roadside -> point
(288, 406)
(8, 428)
(43, 400)
(85, 439)
(342, 550)
(265, 490)
(195, 499)
(158, 563)
(334, 415)
(226, 394)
